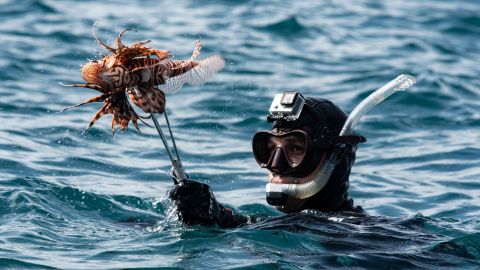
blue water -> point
(89, 200)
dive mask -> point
(294, 152)
(287, 153)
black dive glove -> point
(196, 204)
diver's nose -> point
(279, 162)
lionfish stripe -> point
(180, 67)
(148, 63)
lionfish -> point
(142, 73)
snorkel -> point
(277, 194)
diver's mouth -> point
(284, 179)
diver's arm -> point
(196, 205)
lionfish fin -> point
(135, 124)
(161, 54)
(143, 67)
(86, 85)
(95, 99)
(140, 43)
(198, 75)
(102, 111)
(119, 37)
(196, 50)
(113, 125)
(150, 100)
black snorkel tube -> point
(179, 174)
(277, 194)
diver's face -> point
(290, 157)
(292, 205)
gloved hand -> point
(196, 204)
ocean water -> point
(89, 200)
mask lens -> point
(293, 144)
(295, 147)
(260, 148)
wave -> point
(285, 27)
(50, 200)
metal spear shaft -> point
(179, 174)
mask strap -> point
(329, 142)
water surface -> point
(90, 200)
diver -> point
(296, 151)
(308, 153)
